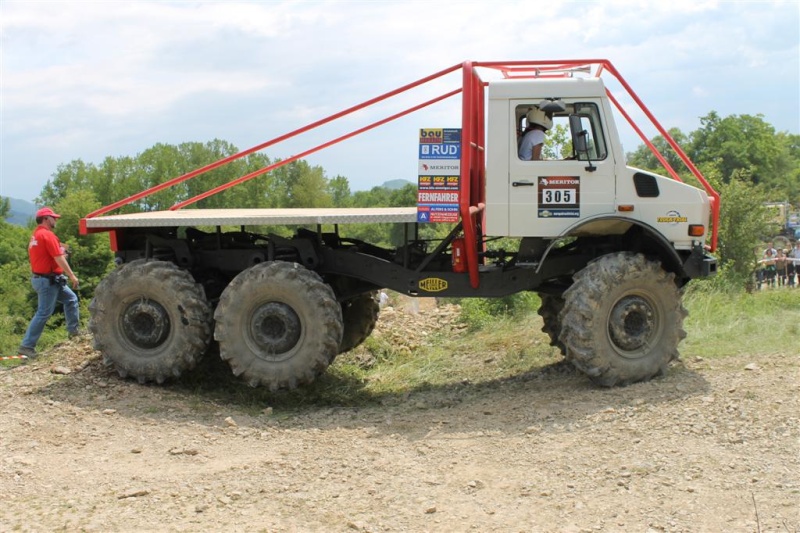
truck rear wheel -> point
(359, 316)
(549, 311)
(150, 320)
(278, 325)
(622, 319)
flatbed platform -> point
(254, 217)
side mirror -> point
(579, 136)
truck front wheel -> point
(150, 320)
(622, 319)
(278, 325)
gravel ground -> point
(712, 446)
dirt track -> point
(713, 446)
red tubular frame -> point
(555, 69)
(473, 164)
(276, 140)
(715, 200)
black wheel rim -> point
(275, 328)
(633, 325)
(145, 324)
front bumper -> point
(700, 264)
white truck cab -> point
(576, 192)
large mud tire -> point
(550, 311)
(150, 320)
(622, 319)
(359, 316)
(278, 325)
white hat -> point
(537, 116)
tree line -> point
(744, 157)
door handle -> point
(522, 184)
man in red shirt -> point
(50, 271)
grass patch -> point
(509, 347)
(378, 373)
(723, 323)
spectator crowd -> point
(779, 267)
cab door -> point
(548, 196)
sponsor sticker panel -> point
(559, 196)
(439, 175)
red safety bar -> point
(556, 69)
(473, 163)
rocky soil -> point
(712, 446)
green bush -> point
(478, 313)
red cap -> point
(46, 212)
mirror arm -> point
(591, 167)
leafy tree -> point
(308, 186)
(406, 196)
(5, 208)
(15, 311)
(788, 178)
(557, 143)
(339, 191)
(13, 243)
(252, 193)
(742, 142)
(734, 144)
(118, 178)
(643, 158)
(743, 222)
(73, 176)
(748, 163)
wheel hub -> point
(146, 324)
(632, 323)
(276, 328)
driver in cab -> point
(538, 123)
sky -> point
(91, 80)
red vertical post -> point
(468, 143)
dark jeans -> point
(49, 293)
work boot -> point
(78, 334)
(28, 353)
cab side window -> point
(558, 137)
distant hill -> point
(396, 184)
(21, 212)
